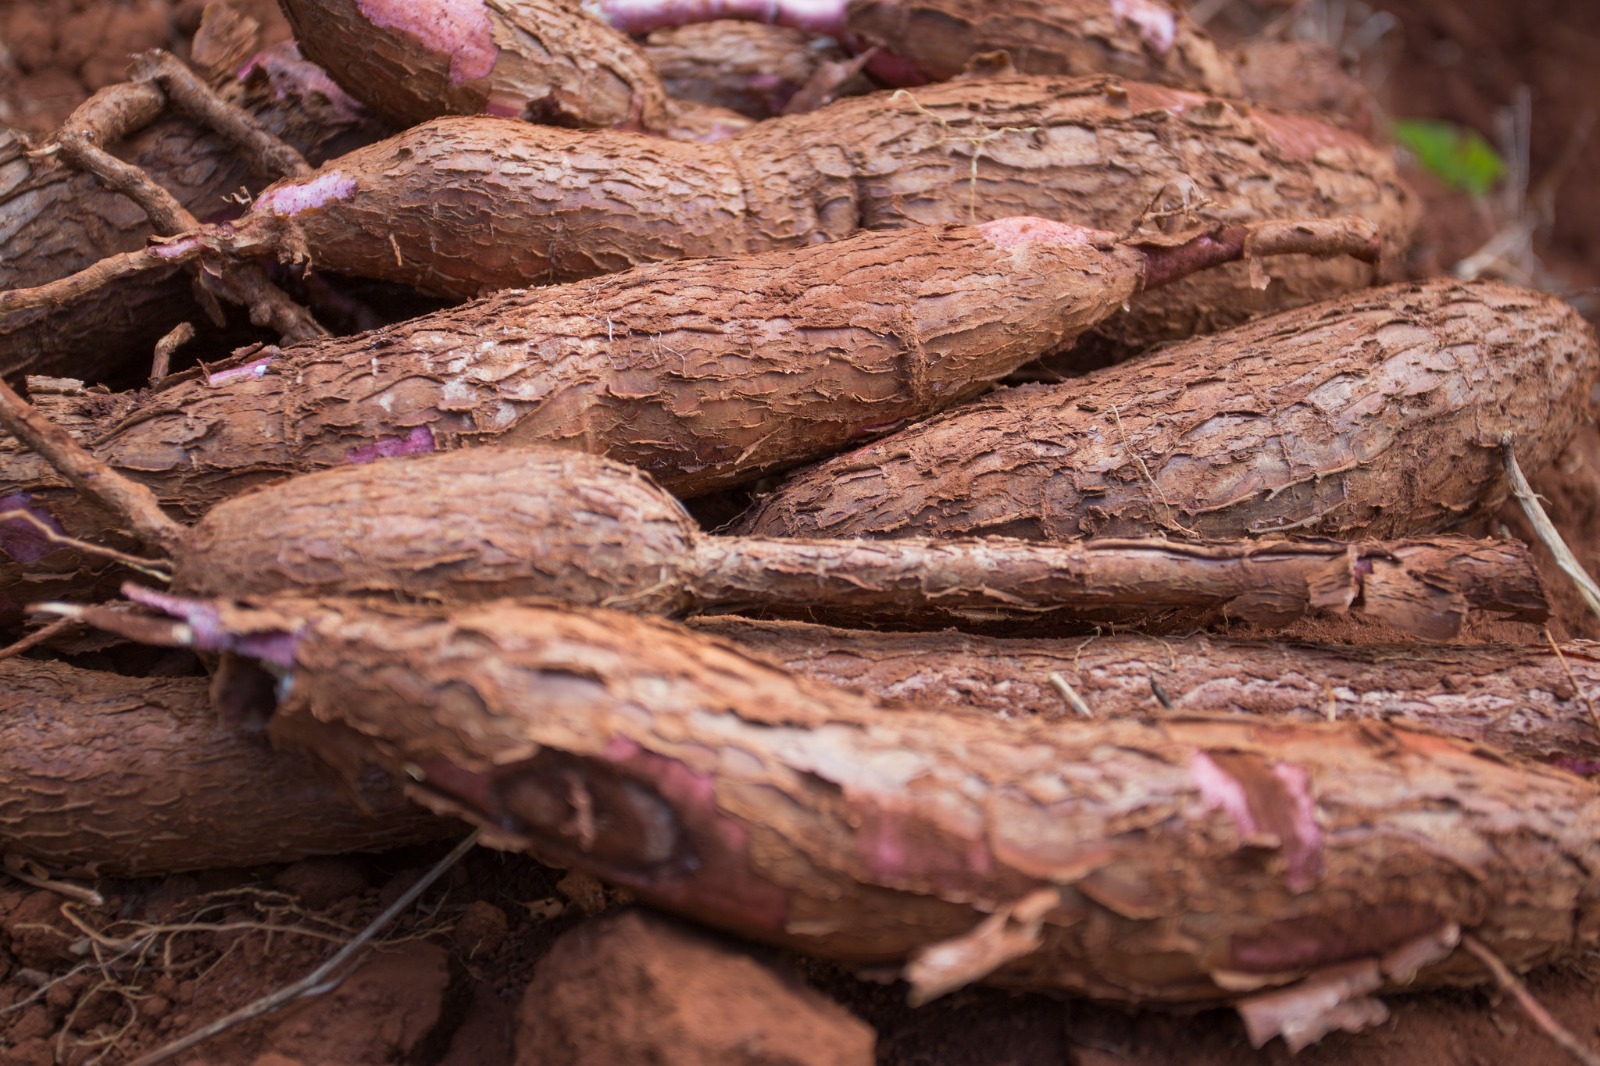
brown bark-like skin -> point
(1190, 861)
(1532, 701)
(703, 373)
(1142, 39)
(110, 776)
(55, 220)
(460, 206)
(535, 60)
(637, 987)
(1374, 415)
(748, 67)
(493, 523)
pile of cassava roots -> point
(965, 492)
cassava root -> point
(1535, 701)
(1377, 414)
(109, 776)
(496, 523)
(756, 363)
(1201, 861)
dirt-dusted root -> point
(1194, 861)
(1533, 700)
(111, 776)
(55, 220)
(459, 206)
(638, 987)
(703, 373)
(490, 523)
(1146, 40)
(535, 60)
(1374, 415)
(748, 67)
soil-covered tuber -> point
(493, 523)
(111, 776)
(1195, 861)
(1534, 700)
(1379, 414)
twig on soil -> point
(316, 982)
(19, 867)
(89, 475)
(1546, 530)
(1513, 985)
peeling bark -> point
(1198, 861)
(1533, 701)
(110, 776)
(1374, 415)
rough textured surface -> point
(493, 523)
(110, 776)
(1201, 860)
(1374, 415)
(704, 373)
(640, 988)
(459, 206)
(1534, 701)
(749, 67)
(55, 220)
(538, 60)
(1142, 39)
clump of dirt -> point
(637, 987)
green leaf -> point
(1459, 157)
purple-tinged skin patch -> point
(895, 847)
(205, 623)
(418, 442)
(174, 249)
(1581, 767)
(287, 199)
(891, 68)
(824, 17)
(1303, 849)
(19, 539)
(721, 879)
(1222, 791)
(253, 369)
(1297, 834)
(460, 29)
(287, 71)
(1157, 24)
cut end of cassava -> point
(459, 29)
